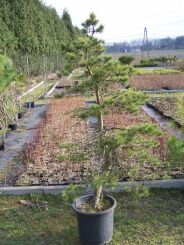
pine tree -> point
(99, 74)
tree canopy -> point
(32, 27)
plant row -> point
(45, 160)
(12, 108)
(157, 81)
(62, 152)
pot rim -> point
(13, 124)
(97, 213)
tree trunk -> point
(57, 61)
(100, 117)
(98, 191)
(45, 72)
(27, 62)
(98, 194)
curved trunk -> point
(100, 117)
(98, 191)
(97, 197)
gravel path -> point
(17, 139)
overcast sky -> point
(126, 19)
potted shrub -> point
(29, 102)
(95, 211)
(3, 120)
(2, 137)
(20, 108)
(11, 112)
(18, 102)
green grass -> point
(141, 71)
(153, 53)
(156, 219)
(37, 94)
(76, 74)
(177, 94)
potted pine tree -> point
(11, 112)
(15, 93)
(2, 137)
(95, 211)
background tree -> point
(92, 26)
(126, 60)
(31, 30)
(7, 72)
(68, 23)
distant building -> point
(135, 50)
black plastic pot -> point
(13, 127)
(95, 228)
(29, 105)
(20, 115)
(1, 141)
(1, 146)
(32, 105)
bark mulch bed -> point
(157, 81)
(48, 159)
(58, 131)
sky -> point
(126, 19)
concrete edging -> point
(57, 189)
(51, 90)
(31, 89)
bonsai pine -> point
(100, 74)
(113, 146)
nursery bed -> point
(61, 134)
(16, 140)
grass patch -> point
(141, 71)
(177, 94)
(38, 94)
(156, 219)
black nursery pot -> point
(29, 105)
(2, 146)
(32, 105)
(1, 141)
(95, 228)
(20, 115)
(13, 127)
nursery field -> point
(153, 53)
(86, 128)
(54, 155)
(157, 81)
(49, 219)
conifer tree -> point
(100, 73)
